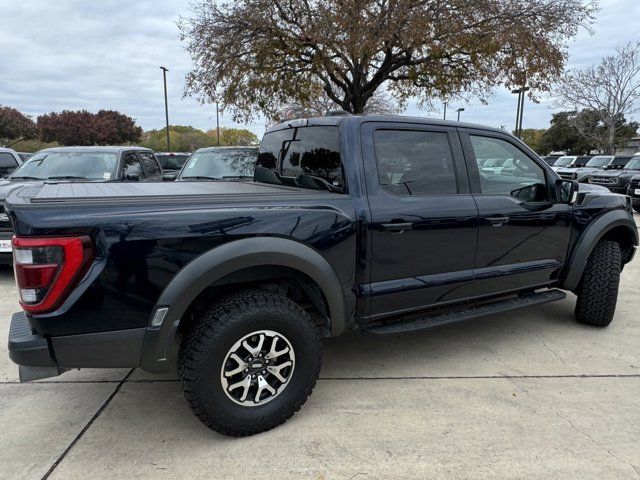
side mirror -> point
(169, 177)
(566, 191)
(132, 177)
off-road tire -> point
(207, 343)
(636, 208)
(598, 290)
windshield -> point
(599, 161)
(634, 164)
(221, 164)
(69, 165)
(172, 161)
(564, 161)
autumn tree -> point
(320, 104)
(609, 90)
(253, 56)
(107, 127)
(15, 125)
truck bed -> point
(91, 193)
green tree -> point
(563, 135)
(579, 133)
(533, 138)
(14, 125)
(255, 55)
(182, 139)
(234, 137)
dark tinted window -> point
(620, 161)
(307, 157)
(7, 163)
(131, 166)
(173, 161)
(414, 163)
(150, 165)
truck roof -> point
(97, 148)
(335, 120)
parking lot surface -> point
(528, 394)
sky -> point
(105, 54)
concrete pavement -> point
(530, 394)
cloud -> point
(74, 54)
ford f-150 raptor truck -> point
(382, 223)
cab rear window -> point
(306, 157)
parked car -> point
(76, 164)
(551, 159)
(570, 161)
(172, 162)
(593, 166)
(634, 192)
(618, 180)
(9, 161)
(219, 163)
(382, 223)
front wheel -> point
(249, 362)
(598, 290)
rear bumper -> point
(25, 347)
(115, 349)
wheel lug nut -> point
(246, 369)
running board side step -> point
(468, 313)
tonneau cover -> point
(88, 192)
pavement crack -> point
(87, 426)
(593, 440)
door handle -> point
(397, 227)
(497, 221)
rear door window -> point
(414, 162)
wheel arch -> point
(220, 263)
(618, 226)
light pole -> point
(520, 91)
(459, 110)
(217, 124)
(166, 104)
(445, 110)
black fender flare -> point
(226, 259)
(588, 240)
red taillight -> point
(47, 268)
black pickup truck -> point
(380, 223)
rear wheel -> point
(598, 290)
(636, 208)
(249, 362)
